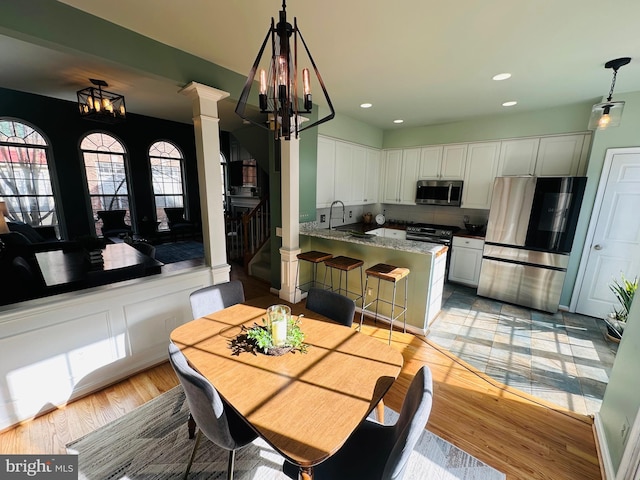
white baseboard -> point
(605, 456)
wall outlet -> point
(323, 218)
(369, 292)
(350, 214)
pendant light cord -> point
(613, 84)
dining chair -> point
(210, 299)
(219, 423)
(380, 452)
(113, 223)
(337, 307)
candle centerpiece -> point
(279, 333)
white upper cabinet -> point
(372, 175)
(552, 156)
(454, 159)
(409, 175)
(346, 172)
(392, 176)
(344, 180)
(325, 171)
(480, 171)
(518, 157)
(400, 176)
(563, 155)
(430, 162)
(442, 162)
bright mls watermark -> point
(51, 467)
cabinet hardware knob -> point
(597, 247)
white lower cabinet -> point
(466, 258)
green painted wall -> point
(622, 397)
(350, 130)
(573, 118)
(626, 135)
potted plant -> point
(624, 290)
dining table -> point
(64, 267)
(305, 405)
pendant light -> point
(280, 83)
(608, 114)
(100, 105)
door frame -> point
(593, 221)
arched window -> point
(107, 181)
(167, 177)
(25, 183)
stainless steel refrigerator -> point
(530, 232)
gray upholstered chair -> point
(213, 416)
(380, 452)
(216, 297)
(337, 307)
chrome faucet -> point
(331, 211)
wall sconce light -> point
(279, 84)
(100, 105)
(608, 114)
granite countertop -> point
(311, 229)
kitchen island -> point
(425, 260)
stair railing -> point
(256, 229)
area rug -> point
(151, 443)
(179, 251)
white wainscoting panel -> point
(58, 348)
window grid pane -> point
(25, 183)
(167, 179)
(104, 163)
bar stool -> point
(387, 273)
(345, 264)
(314, 257)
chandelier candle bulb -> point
(306, 82)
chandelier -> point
(100, 105)
(280, 84)
(608, 114)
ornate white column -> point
(290, 179)
(207, 135)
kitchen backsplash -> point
(405, 213)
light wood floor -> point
(522, 436)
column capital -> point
(205, 98)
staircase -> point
(248, 240)
(260, 264)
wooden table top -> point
(60, 267)
(304, 405)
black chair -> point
(113, 223)
(220, 423)
(216, 297)
(337, 307)
(380, 452)
(178, 225)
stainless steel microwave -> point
(439, 192)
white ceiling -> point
(424, 61)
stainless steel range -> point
(426, 232)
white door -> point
(613, 241)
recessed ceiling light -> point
(509, 104)
(366, 105)
(398, 121)
(501, 76)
